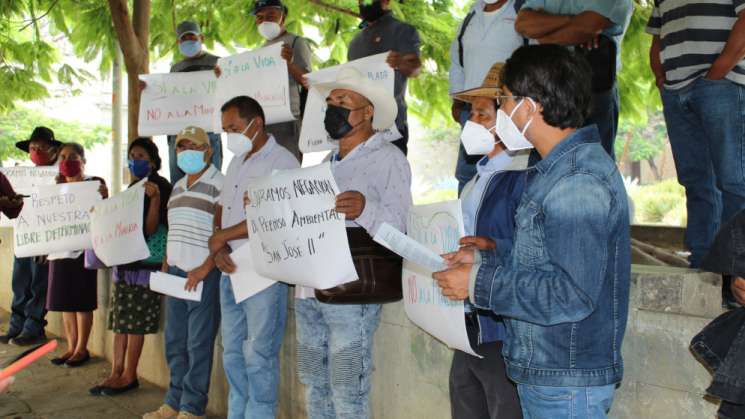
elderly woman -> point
(72, 288)
(135, 310)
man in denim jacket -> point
(562, 284)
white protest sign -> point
(438, 227)
(173, 101)
(173, 285)
(116, 227)
(313, 135)
(56, 218)
(25, 178)
(245, 281)
(296, 234)
(261, 74)
(408, 248)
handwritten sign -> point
(56, 218)
(438, 227)
(296, 234)
(261, 74)
(116, 227)
(25, 178)
(173, 101)
(313, 135)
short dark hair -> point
(147, 144)
(556, 78)
(77, 148)
(248, 107)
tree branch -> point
(338, 9)
(130, 45)
(141, 22)
(35, 19)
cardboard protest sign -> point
(296, 234)
(439, 227)
(173, 101)
(25, 179)
(261, 74)
(116, 227)
(313, 135)
(56, 218)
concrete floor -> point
(46, 391)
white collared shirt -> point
(239, 175)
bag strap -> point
(463, 27)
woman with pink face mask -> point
(72, 288)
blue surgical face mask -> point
(139, 168)
(191, 161)
(190, 48)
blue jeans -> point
(604, 114)
(334, 357)
(706, 125)
(191, 329)
(176, 173)
(28, 308)
(252, 334)
(541, 402)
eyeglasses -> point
(502, 99)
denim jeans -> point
(604, 114)
(28, 308)
(252, 334)
(541, 402)
(191, 328)
(706, 125)
(334, 357)
(176, 173)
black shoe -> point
(59, 361)
(78, 362)
(96, 391)
(28, 340)
(114, 391)
(6, 338)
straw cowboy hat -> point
(384, 104)
(490, 88)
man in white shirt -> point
(252, 328)
(335, 340)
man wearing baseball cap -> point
(271, 16)
(28, 309)
(335, 340)
(191, 326)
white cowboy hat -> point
(384, 104)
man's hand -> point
(351, 204)
(141, 84)
(216, 242)
(464, 255)
(151, 190)
(738, 290)
(479, 242)
(103, 190)
(11, 202)
(406, 64)
(218, 71)
(195, 277)
(717, 71)
(287, 53)
(454, 281)
(246, 199)
(223, 261)
(456, 109)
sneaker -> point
(28, 340)
(187, 415)
(163, 412)
(6, 338)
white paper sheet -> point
(245, 280)
(408, 248)
(25, 179)
(173, 286)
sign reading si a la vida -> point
(296, 234)
(173, 101)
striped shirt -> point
(693, 34)
(191, 210)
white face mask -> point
(476, 139)
(238, 143)
(507, 131)
(269, 30)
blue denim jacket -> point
(563, 283)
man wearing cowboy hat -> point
(29, 282)
(335, 340)
(479, 387)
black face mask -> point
(336, 121)
(371, 12)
